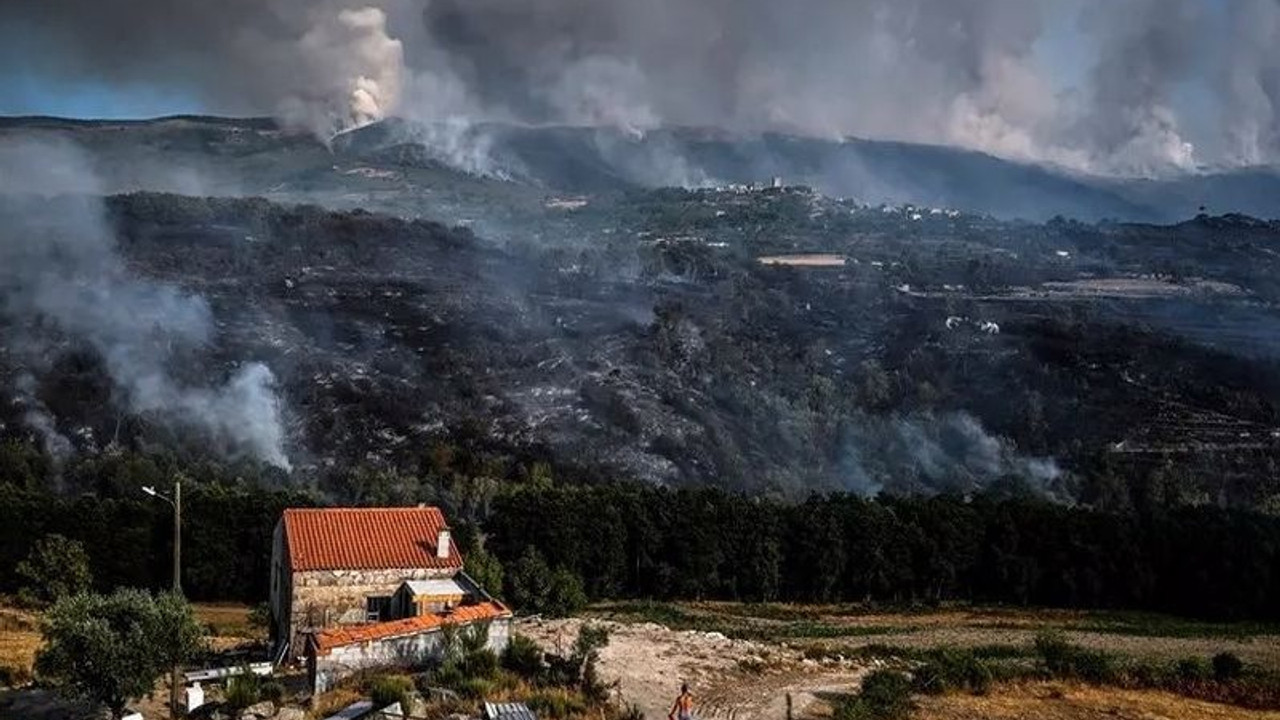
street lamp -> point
(176, 502)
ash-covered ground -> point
(372, 300)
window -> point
(377, 608)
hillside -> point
(202, 155)
(771, 340)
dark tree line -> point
(636, 540)
(640, 541)
(226, 539)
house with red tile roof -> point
(368, 586)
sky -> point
(23, 93)
(1109, 86)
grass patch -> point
(1152, 625)
(735, 622)
(18, 650)
(667, 614)
(768, 611)
(1224, 678)
(227, 621)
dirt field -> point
(1149, 636)
(750, 679)
(19, 639)
(20, 632)
(732, 679)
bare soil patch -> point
(731, 679)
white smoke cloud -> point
(354, 73)
(604, 91)
(62, 279)
(1250, 83)
(1124, 98)
(931, 453)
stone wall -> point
(327, 598)
(409, 651)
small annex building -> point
(356, 588)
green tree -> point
(22, 465)
(112, 648)
(55, 568)
(485, 568)
(529, 581)
(566, 595)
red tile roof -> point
(327, 640)
(366, 539)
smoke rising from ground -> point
(1147, 86)
(63, 282)
(948, 452)
(1143, 86)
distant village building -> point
(355, 588)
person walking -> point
(683, 707)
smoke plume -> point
(321, 66)
(1136, 87)
(949, 452)
(63, 282)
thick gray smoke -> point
(1251, 82)
(1131, 86)
(322, 66)
(63, 280)
(950, 452)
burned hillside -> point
(638, 335)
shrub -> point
(528, 582)
(14, 677)
(475, 687)
(949, 668)
(260, 617)
(243, 690)
(1064, 659)
(567, 594)
(1192, 669)
(55, 568)
(272, 690)
(1146, 674)
(391, 690)
(1227, 666)
(885, 695)
(556, 703)
(1094, 666)
(524, 657)
(482, 664)
(534, 587)
(1054, 651)
(466, 656)
(593, 688)
(448, 675)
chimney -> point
(442, 544)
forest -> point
(634, 540)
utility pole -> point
(175, 679)
(175, 682)
(177, 535)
